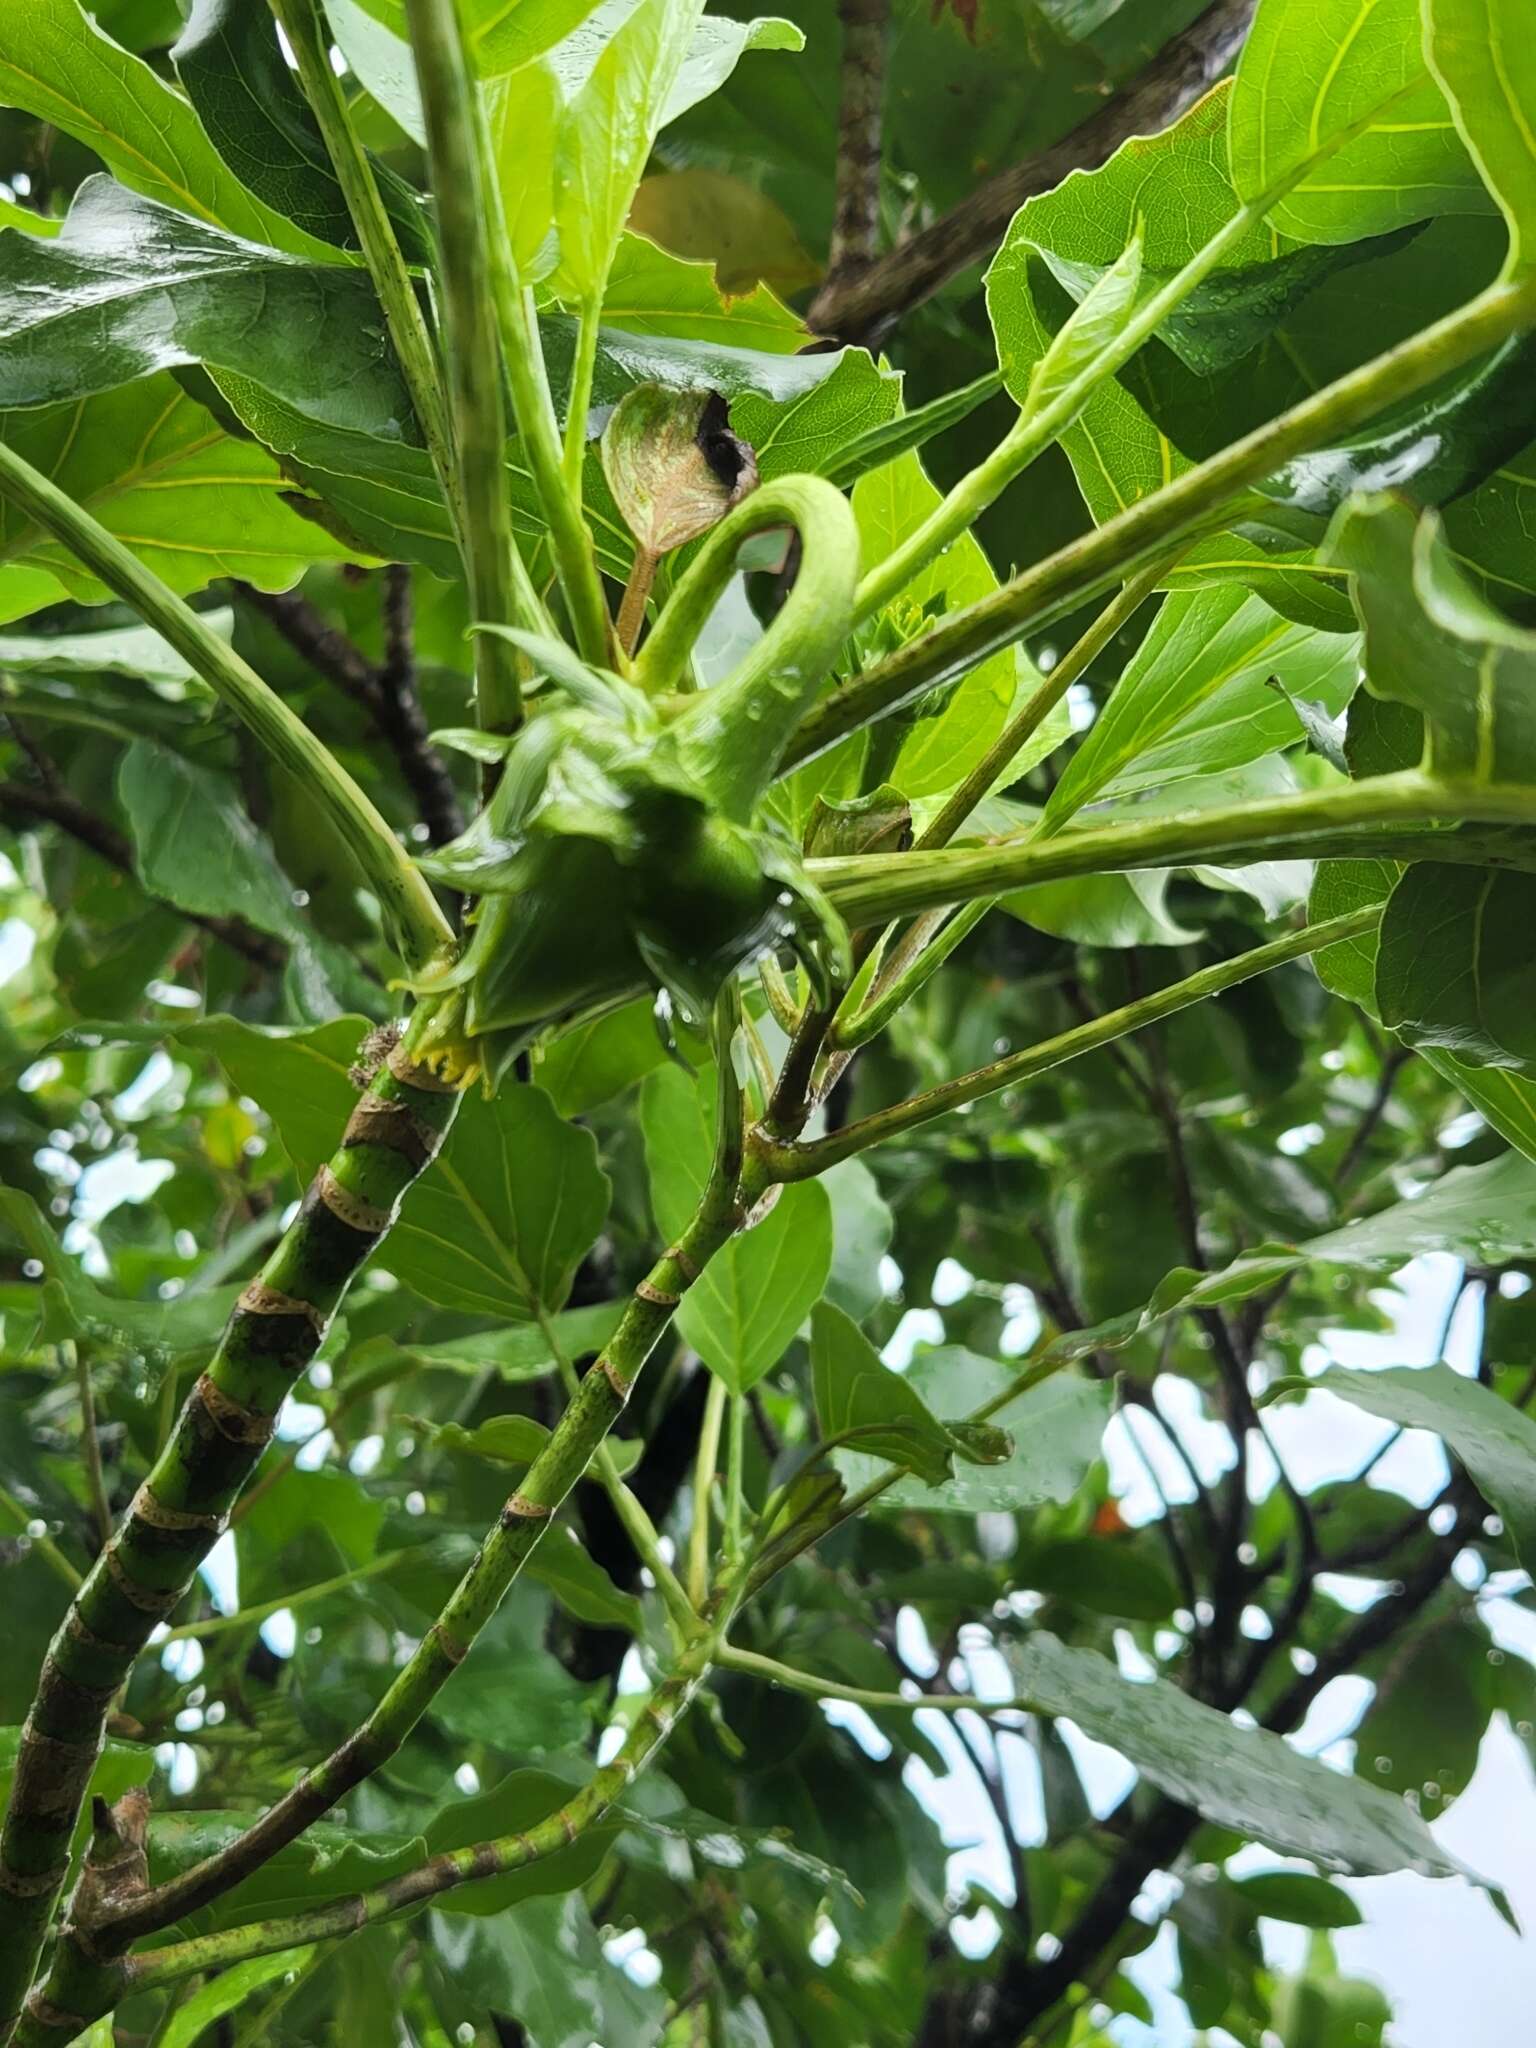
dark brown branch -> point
(861, 307)
(399, 716)
(856, 217)
(387, 694)
(55, 806)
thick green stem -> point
(914, 964)
(705, 1464)
(500, 592)
(583, 369)
(775, 1673)
(570, 541)
(1396, 817)
(1201, 499)
(104, 1985)
(799, 1161)
(1039, 425)
(309, 38)
(598, 1403)
(417, 926)
(183, 1506)
(734, 734)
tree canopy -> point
(765, 786)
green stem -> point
(907, 972)
(736, 1448)
(1200, 498)
(183, 1506)
(420, 932)
(733, 735)
(775, 1673)
(309, 38)
(44, 1545)
(638, 1526)
(1039, 425)
(101, 1507)
(705, 1464)
(252, 1617)
(500, 592)
(1397, 817)
(798, 1161)
(800, 1537)
(429, 1880)
(583, 369)
(598, 1402)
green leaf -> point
(1453, 967)
(254, 114)
(1493, 1439)
(519, 1802)
(1094, 324)
(1480, 51)
(56, 63)
(912, 430)
(513, 1694)
(606, 137)
(650, 291)
(743, 1312)
(231, 1988)
(63, 1302)
(1294, 1896)
(1105, 1578)
(1056, 1429)
(1433, 643)
(130, 287)
(889, 504)
(860, 1400)
(119, 650)
(501, 1439)
(1314, 71)
(522, 1352)
(581, 1585)
(862, 1225)
(1242, 1778)
(158, 472)
(1196, 699)
(501, 1220)
(1422, 1733)
(523, 112)
(591, 1063)
(1175, 189)
(806, 432)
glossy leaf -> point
(254, 114)
(154, 467)
(1055, 1429)
(130, 287)
(1493, 1439)
(1480, 51)
(1196, 696)
(56, 63)
(1357, 99)
(1239, 1778)
(859, 1400)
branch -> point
(429, 1880)
(181, 1509)
(1199, 500)
(55, 806)
(599, 1401)
(860, 306)
(416, 926)
(387, 693)
(798, 1161)
(856, 215)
